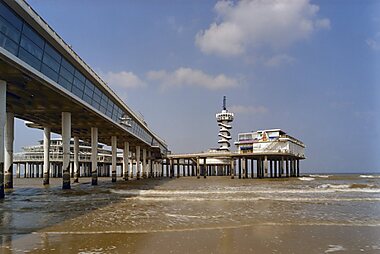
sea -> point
(316, 213)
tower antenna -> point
(224, 102)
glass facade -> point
(21, 40)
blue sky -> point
(310, 68)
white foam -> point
(334, 248)
(250, 199)
(369, 176)
(320, 176)
(324, 188)
(306, 178)
(334, 186)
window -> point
(67, 65)
(78, 92)
(8, 44)
(80, 76)
(29, 59)
(8, 30)
(49, 72)
(51, 62)
(10, 16)
(63, 82)
(33, 36)
(78, 84)
(32, 48)
(66, 74)
(52, 53)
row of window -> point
(21, 40)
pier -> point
(45, 83)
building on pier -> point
(263, 153)
(29, 162)
(271, 141)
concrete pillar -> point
(149, 165)
(138, 165)
(246, 168)
(265, 165)
(76, 159)
(232, 168)
(66, 136)
(298, 168)
(3, 106)
(94, 156)
(8, 146)
(126, 160)
(132, 162)
(177, 167)
(258, 168)
(287, 167)
(252, 168)
(114, 156)
(144, 168)
(198, 169)
(205, 167)
(239, 167)
(243, 167)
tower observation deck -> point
(224, 119)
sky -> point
(308, 67)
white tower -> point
(224, 119)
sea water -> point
(311, 214)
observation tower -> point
(224, 119)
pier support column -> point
(66, 136)
(239, 167)
(287, 167)
(198, 169)
(265, 166)
(114, 156)
(46, 155)
(275, 168)
(76, 159)
(94, 156)
(204, 167)
(8, 146)
(298, 167)
(282, 166)
(126, 160)
(144, 175)
(246, 168)
(178, 168)
(243, 164)
(232, 168)
(132, 165)
(138, 165)
(3, 106)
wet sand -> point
(187, 215)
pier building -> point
(44, 81)
(263, 153)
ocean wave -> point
(369, 176)
(306, 178)
(324, 188)
(320, 176)
(251, 199)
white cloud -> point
(240, 109)
(323, 24)
(256, 23)
(278, 60)
(190, 77)
(123, 79)
(374, 43)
